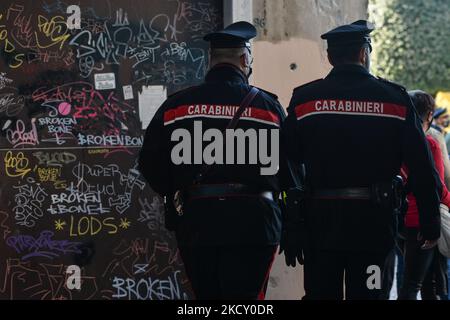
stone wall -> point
(289, 51)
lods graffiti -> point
(73, 109)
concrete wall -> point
(289, 38)
(289, 52)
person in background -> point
(420, 257)
(438, 136)
(441, 120)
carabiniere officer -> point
(227, 219)
(352, 132)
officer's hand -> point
(428, 244)
(292, 247)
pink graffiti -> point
(86, 104)
(19, 136)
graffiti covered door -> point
(70, 130)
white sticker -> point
(150, 99)
(128, 92)
(105, 81)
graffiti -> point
(124, 223)
(10, 102)
(73, 202)
(51, 175)
(160, 257)
(118, 199)
(80, 104)
(172, 74)
(135, 269)
(82, 170)
(123, 201)
(180, 52)
(75, 197)
(49, 57)
(3, 226)
(66, 178)
(60, 224)
(154, 39)
(145, 55)
(43, 246)
(149, 288)
(93, 111)
(58, 125)
(54, 29)
(125, 255)
(22, 31)
(29, 201)
(92, 226)
(19, 136)
(121, 18)
(92, 25)
(98, 151)
(4, 80)
(69, 93)
(7, 45)
(44, 281)
(151, 213)
(58, 138)
(140, 268)
(105, 41)
(45, 43)
(193, 12)
(56, 159)
(105, 140)
(83, 186)
(16, 165)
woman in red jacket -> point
(419, 255)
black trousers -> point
(389, 272)
(435, 283)
(228, 272)
(417, 264)
(388, 275)
(326, 271)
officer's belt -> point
(203, 191)
(342, 194)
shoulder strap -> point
(231, 125)
(244, 105)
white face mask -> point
(367, 59)
(250, 69)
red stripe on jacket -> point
(350, 107)
(412, 215)
(219, 112)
